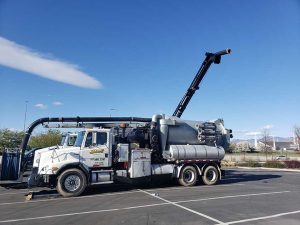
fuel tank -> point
(194, 152)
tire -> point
(211, 175)
(71, 183)
(188, 176)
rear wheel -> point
(211, 175)
(188, 176)
(71, 183)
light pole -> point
(112, 110)
(274, 143)
(25, 116)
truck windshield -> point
(71, 140)
(79, 139)
(63, 139)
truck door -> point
(96, 150)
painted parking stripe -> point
(25, 192)
(269, 169)
(195, 187)
(233, 196)
(183, 207)
(118, 209)
(119, 193)
(81, 213)
(264, 217)
(63, 199)
(14, 193)
(132, 192)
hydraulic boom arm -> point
(210, 58)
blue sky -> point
(139, 57)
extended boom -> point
(210, 58)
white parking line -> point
(183, 207)
(13, 193)
(233, 196)
(264, 217)
(174, 188)
(132, 192)
(100, 195)
(270, 169)
(195, 187)
(81, 213)
(166, 202)
(62, 199)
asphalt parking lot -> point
(243, 197)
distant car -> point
(281, 157)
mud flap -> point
(222, 173)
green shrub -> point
(10, 139)
(250, 163)
(46, 139)
(274, 164)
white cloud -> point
(252, 133)
(41, 106)
(268, 126)
(57, 103)
(22, 58)
(240, 131)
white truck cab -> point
(90, 152)
(95, 147)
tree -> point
(297, 135)
(241, 147)
(47, 139)
(266, 140)
(10, 139)
(232, 148)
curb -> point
(266, 168)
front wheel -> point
(188, 176)
(211, 175)
(71, 183)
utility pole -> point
(25, 116)
(255, 140)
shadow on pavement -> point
(232, 176)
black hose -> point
(77, 120)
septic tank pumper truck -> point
(132, 148)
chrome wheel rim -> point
(211, 175)
(72, 183)
(188, 176)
